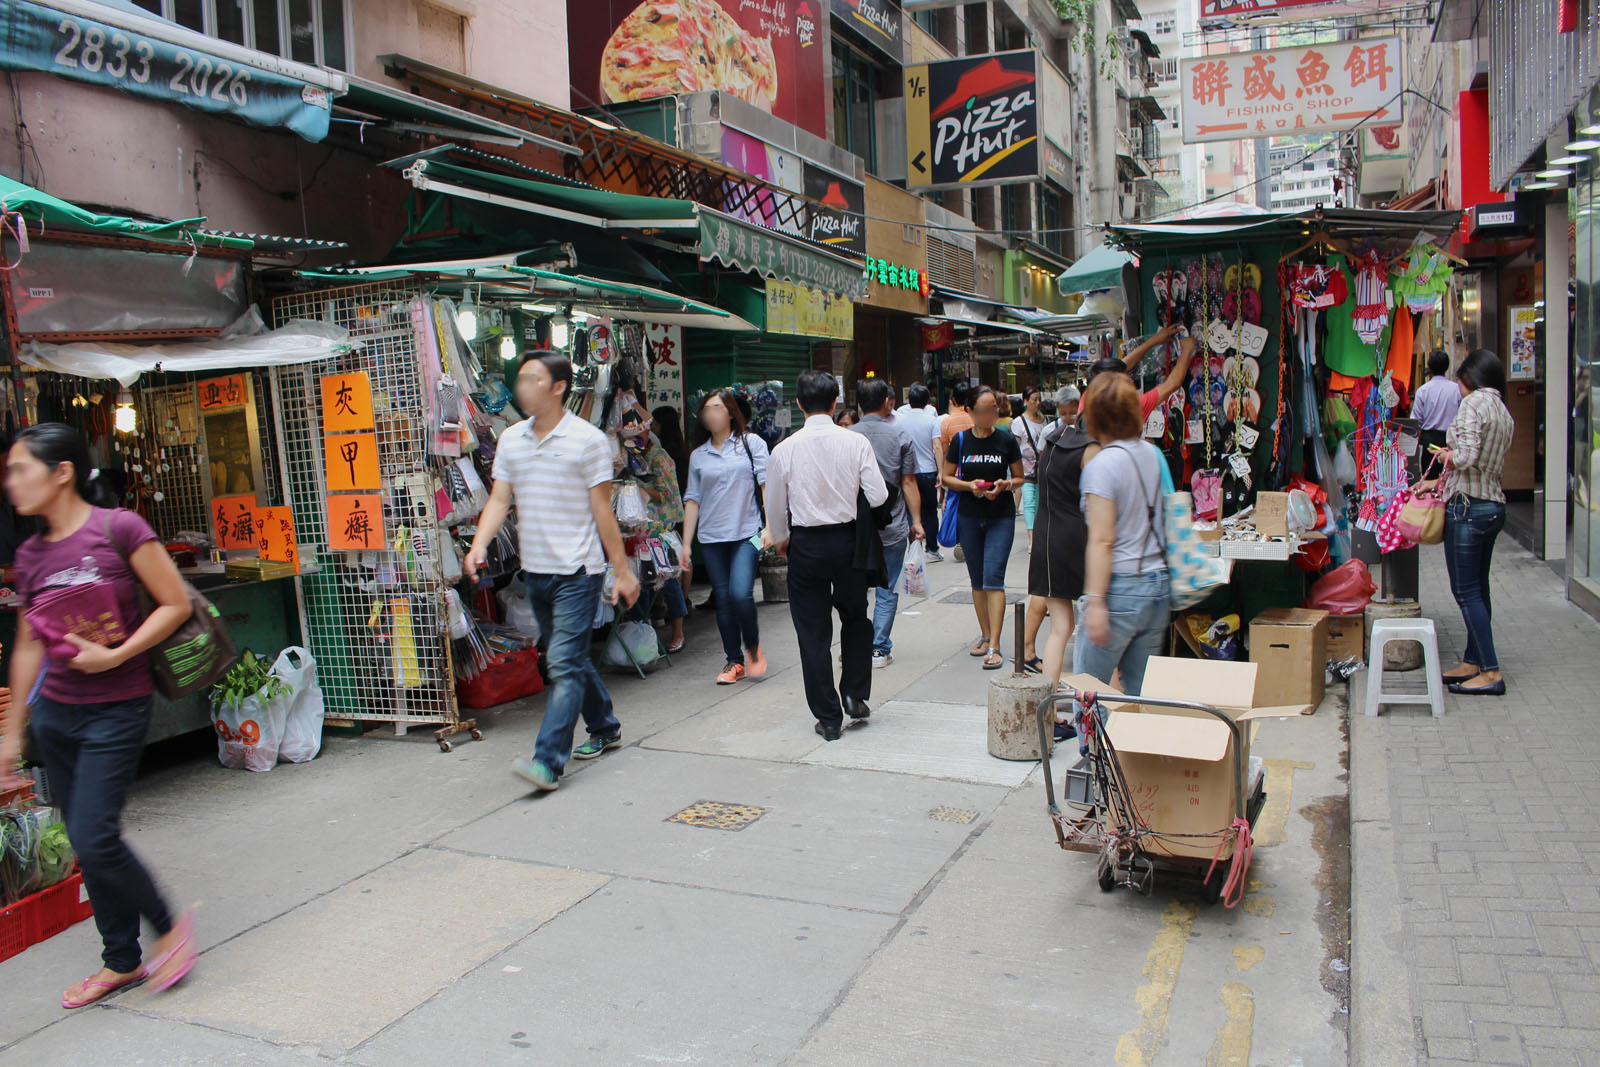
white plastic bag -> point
(519, 609)
(629, 505)
(302, 730)
(913, 580)
(639, 638)
(249, 734)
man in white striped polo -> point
(557, 469)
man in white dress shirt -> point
(813, 478)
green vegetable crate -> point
(42, 915)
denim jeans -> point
(564, 605)
(986, 544)
(91, 753)
(928, 488)
(672, 596)
(1139, 608)
(885, 601)
(731, 565)
(1470, 527)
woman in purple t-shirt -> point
(92, 708)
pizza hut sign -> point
(973, 121)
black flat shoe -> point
(1498, 689)
(830, 733)
(856, 709)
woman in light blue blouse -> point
(722, 505)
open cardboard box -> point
(1180, 764)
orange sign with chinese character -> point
(346, 402)
(233, 520)
(351, 461)
(355, 523)
(220, 394)
(1337, 85)
(275, 536)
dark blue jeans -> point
(986, 544)
(731, 566)
(1470, 527)
(564, 605)
(91, 753)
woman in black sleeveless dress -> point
(1060, 536)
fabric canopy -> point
(301, 341)
(1101, 268)
(49, 212)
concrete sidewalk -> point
(1476, 840)
(725, 888)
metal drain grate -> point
(958, 815)
(718, 815)
(964, 596)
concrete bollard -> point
(1014, 705)
(1397, 655)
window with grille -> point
(305, 31)
(950, 265)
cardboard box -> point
(1347, 637)
(1183, 766)
(1291, 647)
(1272, 514)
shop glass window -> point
(1584, 550)
(1014, 215)
(1052, 220)
(306, 31)
(855, 99)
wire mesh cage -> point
(375, 620)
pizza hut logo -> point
(984, 117)
(805, 25)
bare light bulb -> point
(126, 419)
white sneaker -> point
(935, 557)
(881, 659)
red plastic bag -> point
(1344, 590)
(509, 676)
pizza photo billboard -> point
(767, 53)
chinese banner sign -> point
(1285, 10)
(806, 312)
(351, 461)
(234, 521)
(973, 121)
(666, 366)
(1284, 91)
(275, 536)
(346, 402)
(355, 523)
(220, 394)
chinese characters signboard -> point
(220, 394)
(355, 523)
(233, 519)
(1307, 89)
(805, 312)
(1283, 10)
(351, 461)
(972, 121)
(346, 402)
(666, 366)
(275, 536)
(767, 53)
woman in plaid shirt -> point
(1475, 513)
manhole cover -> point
(964, 596)
(960, 815)
(718, 815)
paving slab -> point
(102, 1035)
(828, 836)
(334, 972)
(564, 995)
(927, 738)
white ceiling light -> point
(1563, 160)
(1553, 172)
(1541, 185)
(1583, 145)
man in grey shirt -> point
(897, 458)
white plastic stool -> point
(1386, 630)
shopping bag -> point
(302, 729)
(913, 578)
(518, 609)
(633, 637)
(949, 526)
(250, 732)
(1192, 573)
(509, 676)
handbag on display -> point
(1420, 519)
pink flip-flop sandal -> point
(177, 962)
(101, 990)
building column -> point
(1557, 371)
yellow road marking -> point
(1270, 825)
(1232, 1046)
(1247, 956)
(1138, 1047)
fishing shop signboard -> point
(973, 121)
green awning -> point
(48, 213)
(774, 254)
(1100, 268)
(410, 113)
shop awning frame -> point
(409, 112)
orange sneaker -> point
(730, 674)
(758, 662)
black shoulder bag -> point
(761, 496)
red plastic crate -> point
(42, 915)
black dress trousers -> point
(823, 580)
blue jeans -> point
(986, 544)
(1139, 607)
(672, 596)
(1470, 527)
(885, 601)
(91, 753)
(564, 605)
(731, 566)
